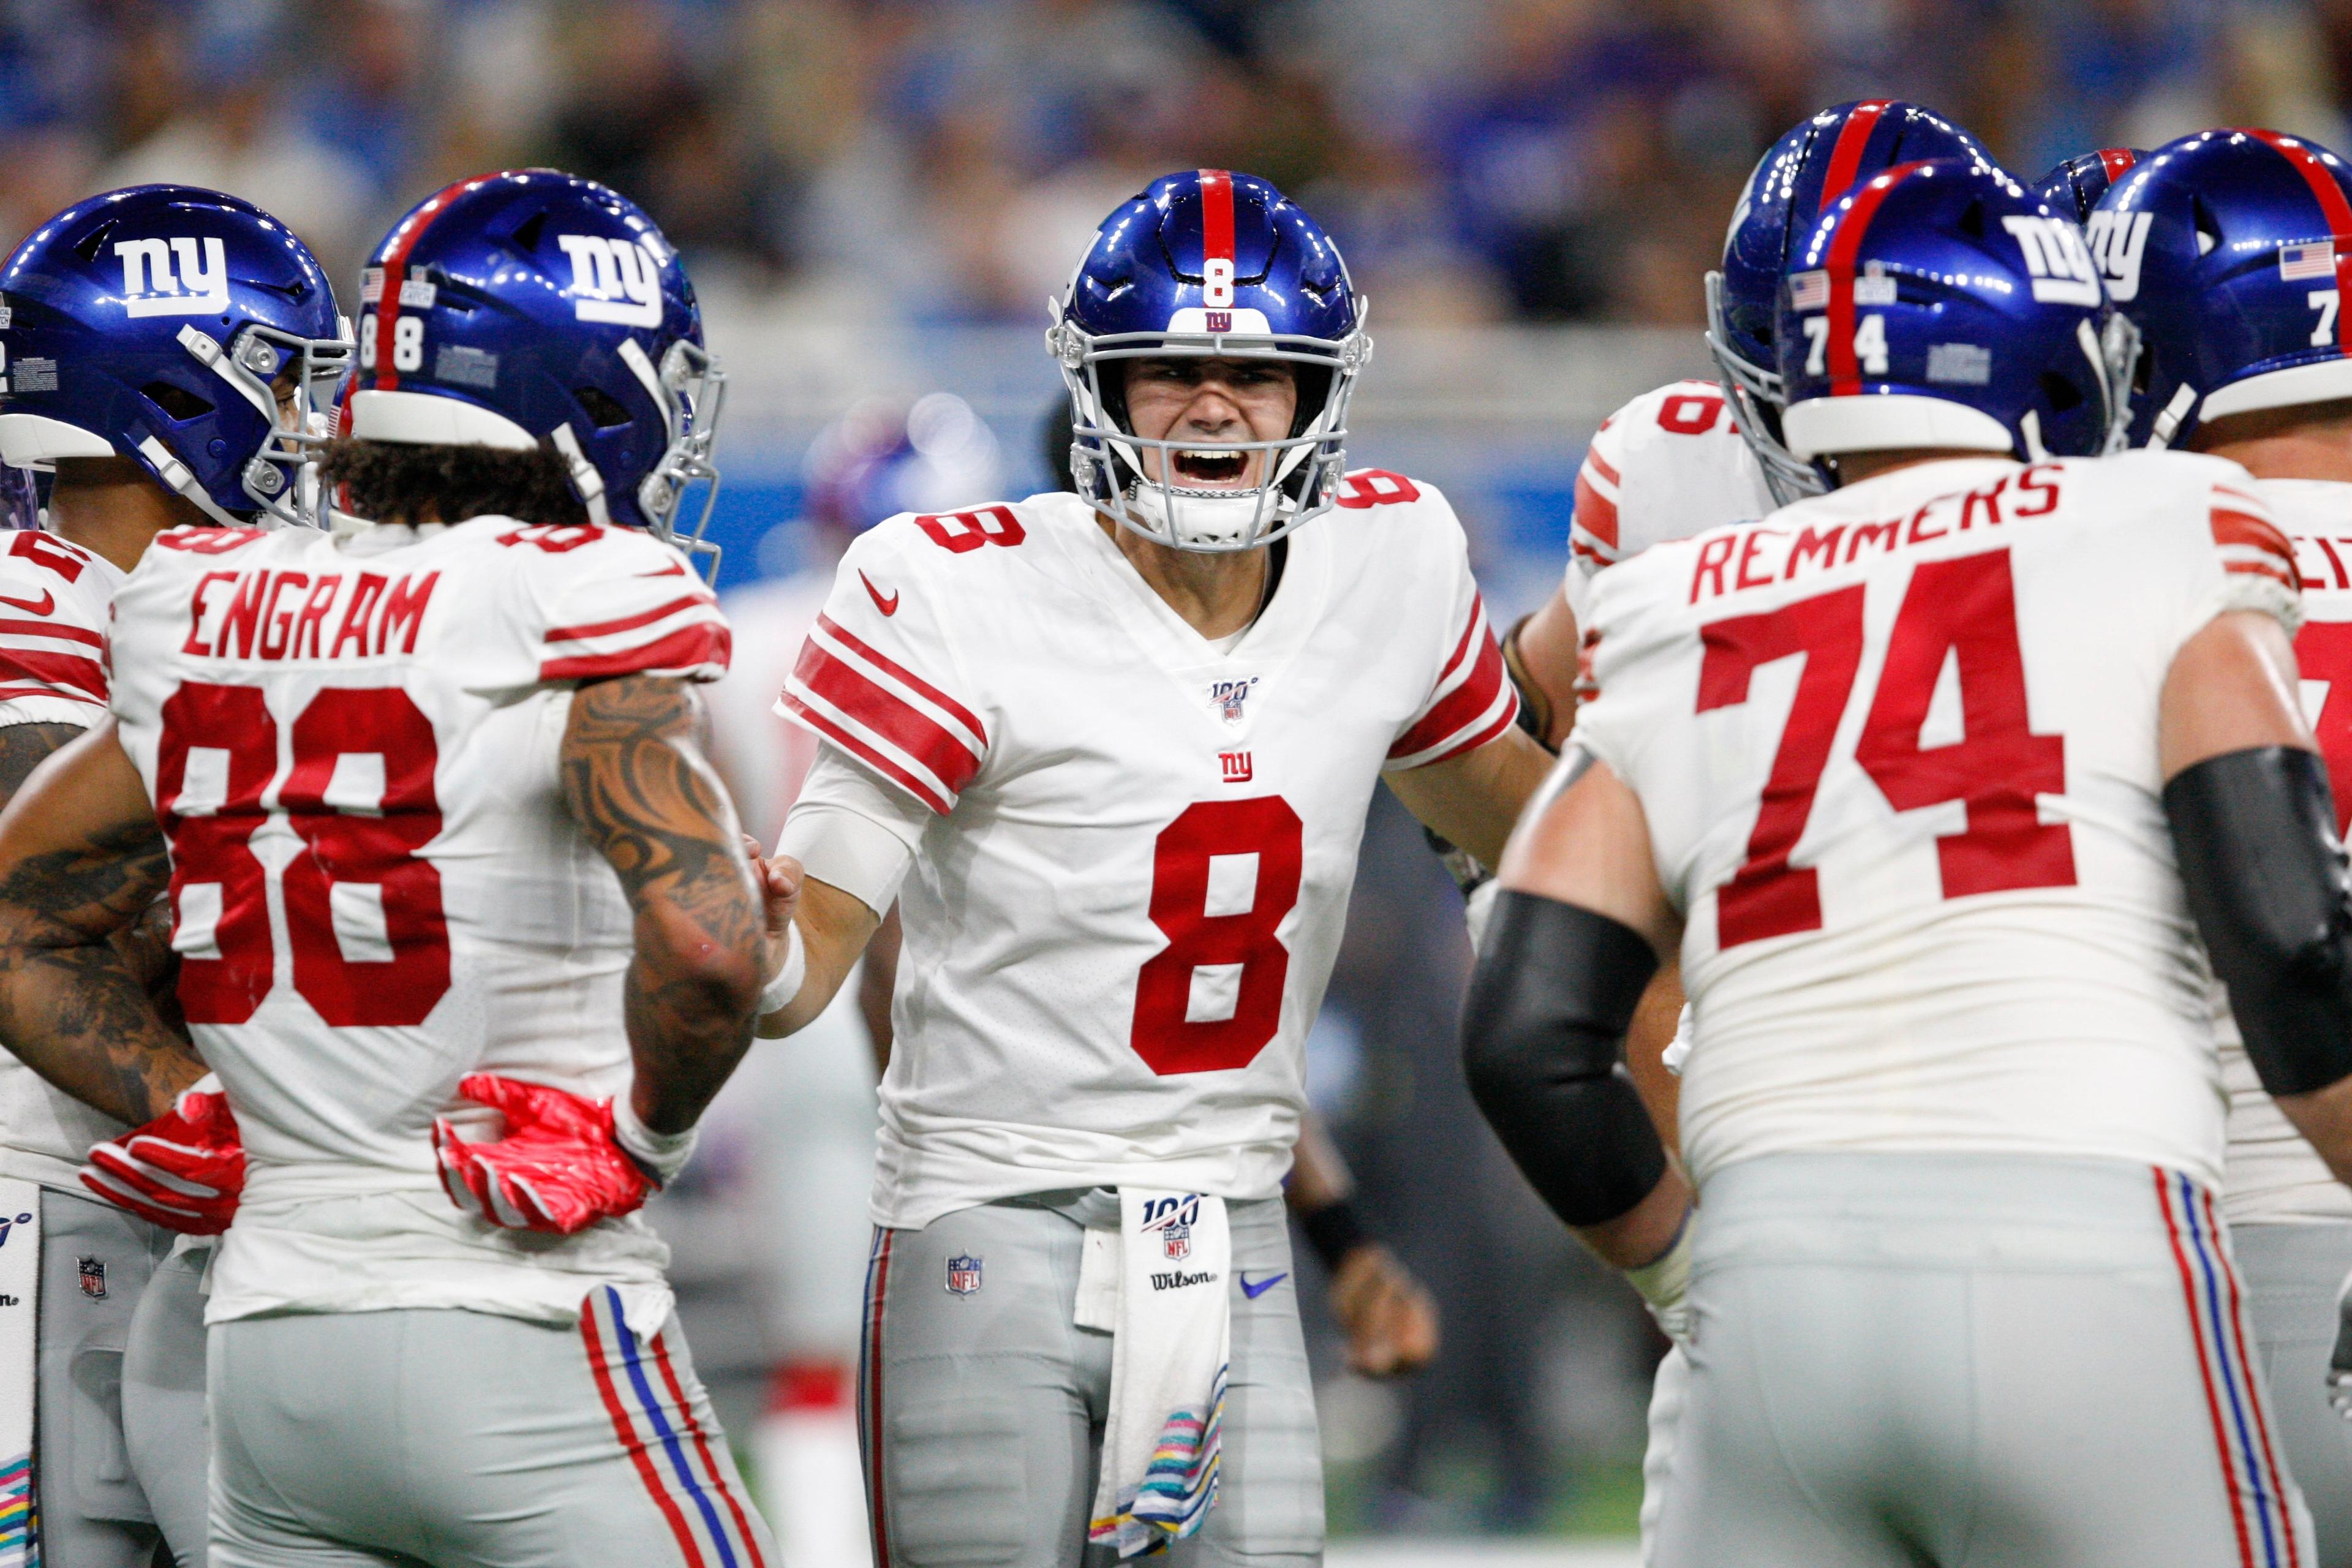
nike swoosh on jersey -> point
(1262, 1286)
(889, 607)
(674, 569)
(40, 607)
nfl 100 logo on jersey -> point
(173, 277)
(616, 281)
(1173, 1219)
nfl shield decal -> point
(93, 1276)
(1172, 1220)
(963, 1275)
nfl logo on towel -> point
(1172, 1218)
(963, 1276)
(93, 1276)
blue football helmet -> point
(1799, 176)
(2228, 250)
(531, 307)
(1209, 264)
(187, 330)
(2075, 186)
(1940, 305)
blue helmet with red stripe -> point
(181, 328)
(1799, 176)
(1212, 265)
(2228, 250)
(533, 308)
(2075, 186)
(1941, 306)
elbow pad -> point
(1550, 1003)
(2254, 832)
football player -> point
(1922, 778)
(2242, 358)
(1112, 750)
(169, 351)
(464, 921)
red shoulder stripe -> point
(867, 754)
(78, 676)
(856, 696)
(858, 645)
(627, 623)
(705, 642)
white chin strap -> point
(183, 481)
(1200, 521)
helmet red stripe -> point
(2332, 205)
(1216, 215)
(1846, 369)
(396, 272)
(2117, 162)
(1845, 158)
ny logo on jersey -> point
(152, 287)
(2055, 254)
(614, 281)
(2117, 242)
(1235, 766)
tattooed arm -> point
(80, 863)
(638, 785)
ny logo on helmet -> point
(150, 289)
(2057, 257)
(2118, 241)
(614, 281)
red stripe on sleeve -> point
(1216, 215)
(947, 755)
(1846, 369)
(2245, 529)
(874, 656)
(1596, 514)
(884, 765)
(706, 642)
(10, 693)
(626, 623)
(1845, 158)
(58, 629)
(1460, 707)
(79, 677)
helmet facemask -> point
(1298, 476)
(1757, 401)
(690, 388)
(281, 477)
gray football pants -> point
(2293, 1274)
(459, 1439)
(981, 1413)
(163, 1425)
(96, 1261)
(1970, 1361)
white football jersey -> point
(54, 598)
(1669, 464)
(1896, 747)
(377, 888)
(1125, 909)
(2273, 1174)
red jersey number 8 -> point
(1212, 998)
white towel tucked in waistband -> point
(1158, 1284)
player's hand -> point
(183, 1171)
(557, 1166)
(1390, 1321)
(779, 880)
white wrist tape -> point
(664, 1154)
(1662, 1281)
(785, 984)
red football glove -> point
(183, 1171)
(557, 1168)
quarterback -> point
(1112, 750)
(1927, 781)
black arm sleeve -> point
(2256, 834)
(1548, 1010)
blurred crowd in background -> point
(873, 194)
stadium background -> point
(877, 196)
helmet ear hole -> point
(602, 406)
(2064, 394)
(94, 242)
(1972, 220)
(177, 402)
(2208, 227)
(527, 233)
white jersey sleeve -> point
(2275, 1176)
(879, 678)
(637, 610)
(54, 602)
(1470, 699)
(1896, 749)
(1669, 464)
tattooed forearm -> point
(637, 781)
(24, 747)
(72, 1005)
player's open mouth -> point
(1211, 465)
